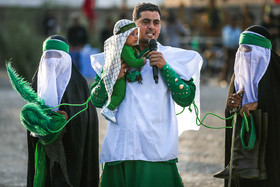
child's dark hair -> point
(144, 7)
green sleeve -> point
(183, 92)
(98, 93)
(129, 58)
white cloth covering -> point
(251, 63)
(146, 127)
(53, 76)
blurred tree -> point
(20, 42)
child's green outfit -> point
(119, 87)
(115, 51)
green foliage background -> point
(22, 35)
(20, 39)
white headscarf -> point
(250, 65)
(112, 50)
(53, 76)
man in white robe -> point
(141, 148)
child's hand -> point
(145, 60)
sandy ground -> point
(200, 152)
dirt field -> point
(200, 152)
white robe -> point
(147, 126)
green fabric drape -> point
(141, 173)
(40, 165)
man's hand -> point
(62, 112)
(124, 69)
(156, 59)
(247, 108)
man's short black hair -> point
(144, 7)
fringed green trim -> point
(44, 123)
(23, 87)
(33, 117)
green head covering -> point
(55, 44)
(256, 35)
(254, 39)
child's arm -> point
(129, 58)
